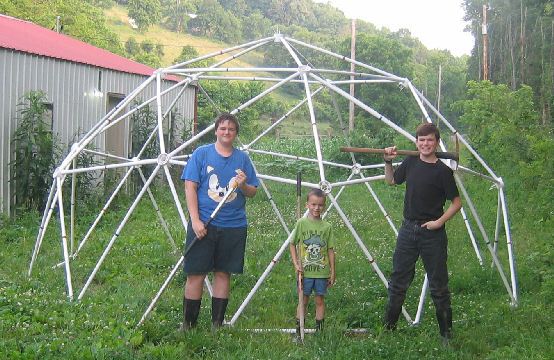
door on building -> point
(117, 137)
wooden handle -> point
(440, 154)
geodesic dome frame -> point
(306, 76)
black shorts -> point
(221, 250)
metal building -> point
(82, 84)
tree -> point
(521, 43)
(258, 26)
(187, 53)
(237, 7)
(132, 47)
(145, 12)
(175, 14)
(149, 59)
(501, 124)
(390, 55)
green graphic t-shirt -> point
(315, 238)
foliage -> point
(105, 4)
(188, 53)
(145, 12)
(227, 97)
(502, 125)
(149, 59)
(35, 152)
(175, 14)
(132, 47)
(214, 21)
(143, 121)
(79, 19)
(521, 47)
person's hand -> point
(432, 225)
(199, 228)
(298, 268)
(331, 280)
(240, 178)
(390, 153)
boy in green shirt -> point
(316, 256)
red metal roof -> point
(25, 36)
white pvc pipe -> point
(294, 157)
(347, 59)
(370, 258)
(117, 232)
(510, 248)
(64, 241)
(50, 204)
(485, 236)
(276, 123)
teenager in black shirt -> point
(429, 182)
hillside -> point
(118, 21)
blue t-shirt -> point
(214, 175)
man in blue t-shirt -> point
(210, 172)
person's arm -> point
(454, 207)
(390, 154)
(332, 278)
(191, 193)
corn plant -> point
(34, 152)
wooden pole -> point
(439, 154)
(352, 69)
(485, 44)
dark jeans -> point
(414, 241)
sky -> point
(438, 24)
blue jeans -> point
(414, 241)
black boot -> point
(298, 327)
(219, 306)
(191, 309)
(444, 318)
(391, 316)
(319, 325)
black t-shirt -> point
(428, 185)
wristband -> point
(388, 161)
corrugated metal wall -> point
(72, 89)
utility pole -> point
(485, 44)
(58, 25)
(439, 90)
(352, 69)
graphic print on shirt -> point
(313, 257)
(216, 192)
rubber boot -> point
(391, 316)
(444, 319)
(191, 309)
(219, 306)
(319, 325)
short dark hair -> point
(227, 117)
(315, 192)
(428, 129)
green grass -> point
(37, 320)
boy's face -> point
(427, 144)
(226, 132)
(315, 206)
